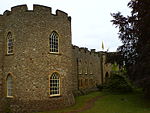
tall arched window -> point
(10, 43)
(53, 42)
(54, 84)
(9, 86)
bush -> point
(100, 87)
(118, 83)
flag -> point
(102, 46)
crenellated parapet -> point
(19, 8)
(37, 9)
(85, 50)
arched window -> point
(9, 85)
(53, 42)
(54, 84)
(10, 44)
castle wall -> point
(1, 59)
(32, 63)
(106, 67)
(87, 68)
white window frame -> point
(9, 86)
(54, 42)
(51, 85)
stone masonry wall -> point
(88, 68)
(1, 59)
(107, 67)
(32, 63)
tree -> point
(134, 32)
(127, 34)
(142, 68)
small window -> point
(91, 67)
(54, 84)
(9, 86)
(53, 42)
(86, 68)
(10, 44)
(80, 83)
(79, 67)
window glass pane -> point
(54, 84)
(10, 43)
(9, 85)
(53, 42)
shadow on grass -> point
(109, 103)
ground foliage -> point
(108, 103)
(118, 83)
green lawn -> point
(111, 103)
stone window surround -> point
(80, 66)
(53, 49)
(9, 89)
(54, 95)
(10, 40)
(86, 68)
(91, 66)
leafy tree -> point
(115, 57)
(141, 73)
(134, 32)
(127, 34)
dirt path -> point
(88, 105)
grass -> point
(111, 103)
(121, 103)
(80, 101)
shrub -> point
(118, 83)
(100, 87)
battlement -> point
(19, 8)
(85, 50)
(39, 9)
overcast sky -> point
(90, 19)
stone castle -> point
(40, 69)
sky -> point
(90, 19)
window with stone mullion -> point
(9, 86)
(54, 84)
(10, 43)
(54, 42)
